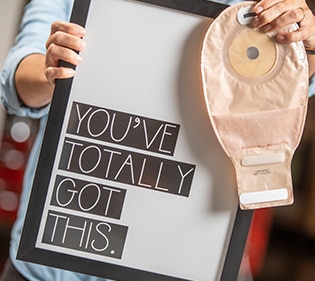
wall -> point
(9, 24)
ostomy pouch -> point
(256, 92)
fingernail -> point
(259, 9)
(70, 72)
(266, 28)
(280, 38)
(255, 22)
(78, 59)
(81, 31)
(83, 45)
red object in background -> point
(14, 154)
(258, 239)
(11, 179)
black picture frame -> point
(28, 250)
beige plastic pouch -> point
(256, 92)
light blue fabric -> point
(35, 29)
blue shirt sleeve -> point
(34, 31)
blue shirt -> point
(35, 29)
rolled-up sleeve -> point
(34, 31)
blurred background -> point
(281, 242)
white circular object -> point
(20, 131)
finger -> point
(55, 53)
(299, 35)
(264, 5)
(280, 5)
(66, 40)
(53, 73)
(286, 19)
(275, 9)
(66, 27)
(305, 32)
(309, 25)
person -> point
(32, 67)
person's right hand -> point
(63, 43)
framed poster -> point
(132, 183)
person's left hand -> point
(63, 43)
(274, 15)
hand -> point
(274, 15)
(64, 43)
